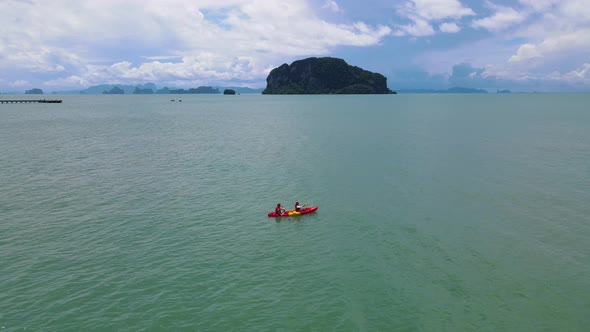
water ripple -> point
(436, 213)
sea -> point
(437, 212)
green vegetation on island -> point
(229, 92)
(324, 76)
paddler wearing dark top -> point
(279, 210)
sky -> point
(522, 45)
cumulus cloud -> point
(573, 45)
(504, 17)
(419, 28)
(449, 27)
(423, 12)
(332, 5)
(583, 74)
(432, 10)
(89, 41)
(525, 52)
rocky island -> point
(324, 76)
(34, 92)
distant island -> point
(456, 89)
(201, 89)
(229, 92)
(324, 76)
(34, 92)
(140, 91)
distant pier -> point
(13, 101)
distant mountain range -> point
(150, 88)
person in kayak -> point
(298, 207)
(279, 210)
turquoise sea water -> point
(436, 213)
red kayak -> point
(293, 213)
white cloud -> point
(419, 28)
(423, 12)
(554, 17)
(579, 75)
(556, 41)
(449, 27)
(525, 52)
(89, 41)
(162, 57)
(432, 10)
(546, 17)
(332, 5)
(565, 45)
(503, 18)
